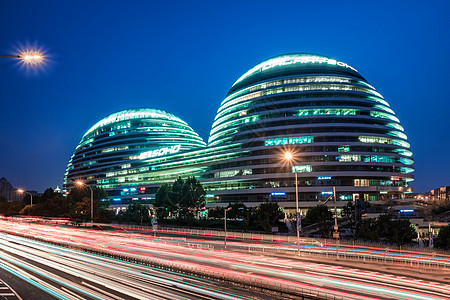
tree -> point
(162, 203)
(401, 232)
(268, 215)
(183, 198)
(321, 216)
(193, 197)
(136, 213)
(79, 200)
(384, 229)
(4, 204)
(443, 239)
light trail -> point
(131, 279)
(112, 274)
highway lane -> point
(349, 283)
(70, 274)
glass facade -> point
(340, 130)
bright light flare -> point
(31, 57)
(288, 155)
(20, 191)
(79, 182)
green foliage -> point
(182, 199)
(348, 212)
(443, 239)
(135, 213)
(79, 204)
(396, 231)
(440, 209)
(268, 215)
(321, 216)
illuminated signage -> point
(160, 152)
(117, 199)
(406, 210)
(142, 189)
(292, 60)
(284, 61)
(289, 141)
(327, 193)
(324, 177)
(278, 194)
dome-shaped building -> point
(341, 132)
(118, 151)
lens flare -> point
(32, 57)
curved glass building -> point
(119, 149)
(339, 129)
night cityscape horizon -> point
(186, 150)
(46, 112)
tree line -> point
(182, 203)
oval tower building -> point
(118, 152)
(339, 130)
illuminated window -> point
(383, 140)
(302, 169)
(379, 114)
(326, 111)
(289, 141)
(361, 182)
(349, 158)
(344, 148)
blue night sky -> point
(183, 56)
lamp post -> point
(289, 157)
(81, 183)
(28, 57)
(336, 232)
(225, 224)
(21, 191)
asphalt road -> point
(94, 276)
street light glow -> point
(20, 191)
(31, 57)
(288, 155)
(79, 182)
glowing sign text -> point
(160, 152)
(291, 60)
(289, 141)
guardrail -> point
(348, 250)
(270, 287)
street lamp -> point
(336, 231)
(21, 191)
(28, 57)
(225, 224)
(81, 183)
(289, 157)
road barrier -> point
(270, 287)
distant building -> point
(8, 191)
(440, 196)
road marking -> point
(7, 287)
